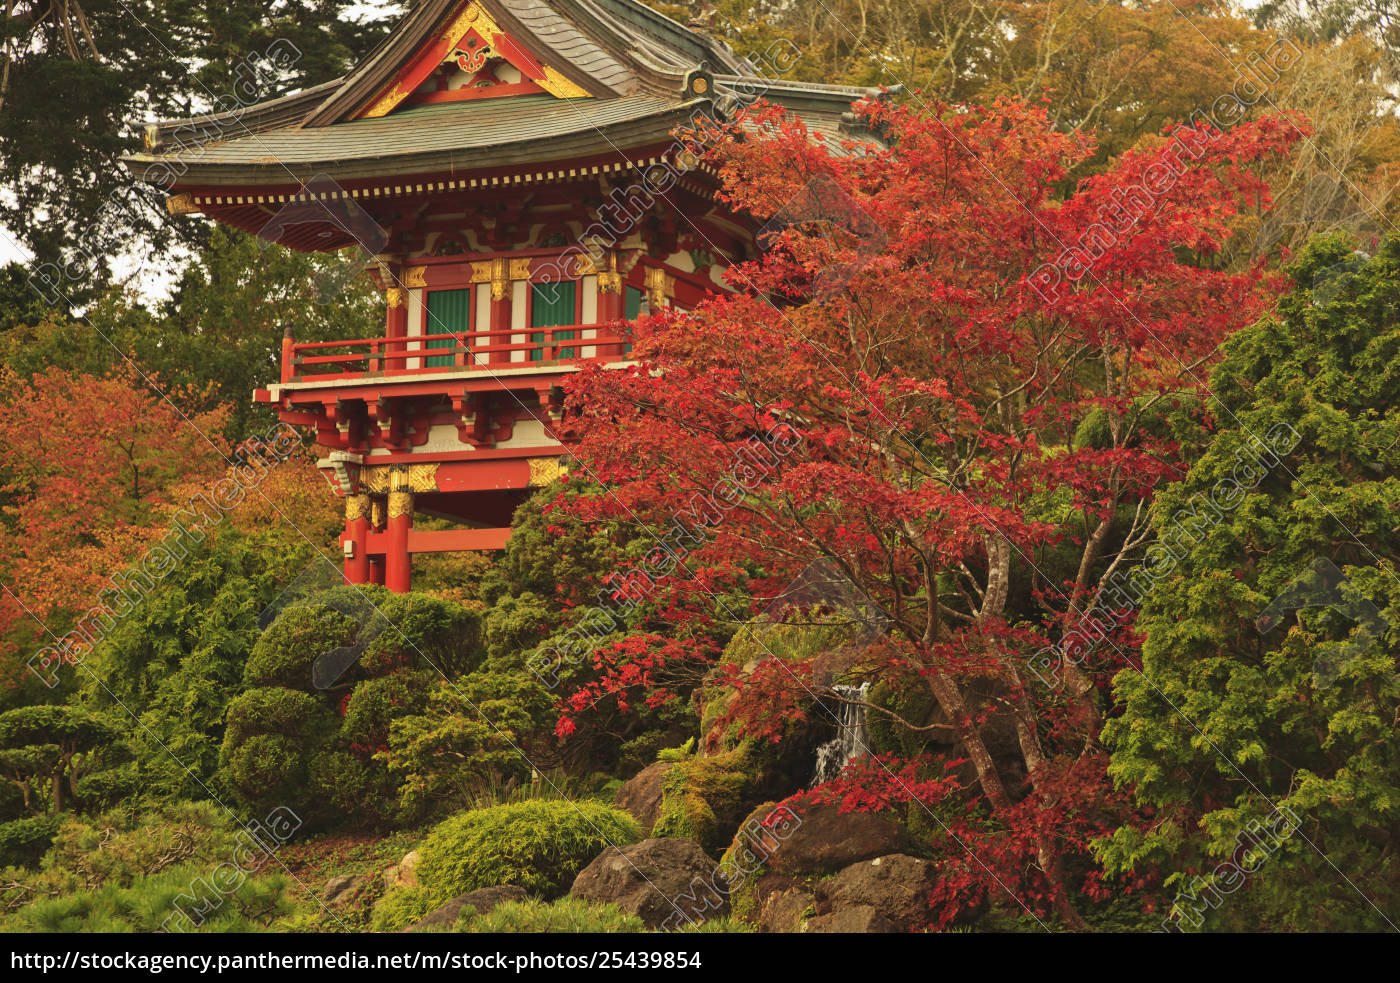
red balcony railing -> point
(452, 352)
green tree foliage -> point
(1247, 716)
(45, 750)
(171, 666)
(78, 78)
(234, 301)
(478, 733)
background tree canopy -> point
(78, 78)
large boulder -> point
(896, 885)
(861, 919)
(342, 889)
(663, 881)
(784, 911)
(483, 900)
(640, 795)
(821, 839)
(404, 873)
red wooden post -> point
(612, 305)
(396, 323)
(376, 523)
(288, 355)
(500, 310)
(398, 564)
(355, 542)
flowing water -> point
(850, 740)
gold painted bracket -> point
(545, 471)
(182, 204)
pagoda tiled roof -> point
(621, 76)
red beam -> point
(443, 540)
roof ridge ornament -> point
(699, 83)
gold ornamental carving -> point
(659, 285)
(356, 507)
(609, 280)
(415, 276)
(495, 272)
(381, 479)
(474, 16)
(400, 504)
(376, 513)
(557, 85)
(520, 269)
(545, 470)
(182, 204)
(394, 295)
(386, 102)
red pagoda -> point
(509, 168)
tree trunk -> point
(1028, 737)
(950, 701)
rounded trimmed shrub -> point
(540, 845)
(362, 633)
(270, 738)
(23, 841)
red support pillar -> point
(355, 542)
(396, 317)
(398, 564)
(612, 305)
(376, 522)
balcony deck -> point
(418, 356)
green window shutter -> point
(551, 304)
(448, 310)
(632, 307)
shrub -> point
(285, 654)
(178, 659)
(467, 739)
(376, 631)
(271, 737)
(175, 900)
(401, 907)
(116, 849)
(23, 841)
(377, 703)
(566, 916)
(540, 845)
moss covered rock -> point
(702, 799)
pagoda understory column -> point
(376, 523)
(356, 539)
(398, 564)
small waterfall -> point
(850, 740)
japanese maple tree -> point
(90, 469)
(972, 371)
